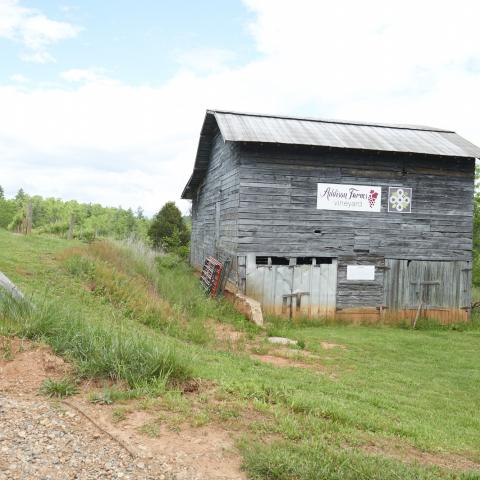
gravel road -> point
(43, 440)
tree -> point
(2, 193)
(20, 196)
(7, 211)
(167, 230)
(139, 213)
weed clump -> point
(64, 387)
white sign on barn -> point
(354, 198)
(360, 272)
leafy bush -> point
(55, 228)
(168, 230)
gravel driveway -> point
(45, 440)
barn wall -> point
(278, 215)
(215, 205)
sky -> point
(103, 101)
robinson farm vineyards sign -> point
(353, 198)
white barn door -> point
(306, 290)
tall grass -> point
(176, 283)
(157, 290)
(100, 349)
(313, 460)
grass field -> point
(356, 402)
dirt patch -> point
(191, 386)
(23, 272)
(329, 345)
(284, 362)
(227, 332)
(24, 366)
(228, 338)
(206, 452)
(409, 454)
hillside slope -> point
(355, 402)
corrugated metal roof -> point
(259, 128)
(239, 127)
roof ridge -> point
(326, 120)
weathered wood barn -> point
(336, 218)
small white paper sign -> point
(360, 272)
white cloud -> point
(373, 50)
(40, 56)
(103, 140)
(33, 30)
(18, 78)
(83, 75)
(205, 59)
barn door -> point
(434, 284)
(268, 279)
(315, 286)
(297, 287)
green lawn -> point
(386, 403)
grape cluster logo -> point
(399, 200)
(372, 198)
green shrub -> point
(86, 235)
(168, 230)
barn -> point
(325, 218)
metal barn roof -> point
(239, 127)
(258, 128)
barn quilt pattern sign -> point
(353, 198)
(400, 199)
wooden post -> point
(29, 222)
(423, 286)
(417, 314)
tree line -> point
(86, 221)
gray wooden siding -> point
(354, 293)
(434, 284)
(215, 207)
(277, 212)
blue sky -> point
(138, 42)
(102, 101)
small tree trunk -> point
(70, 227)
(29, 220)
